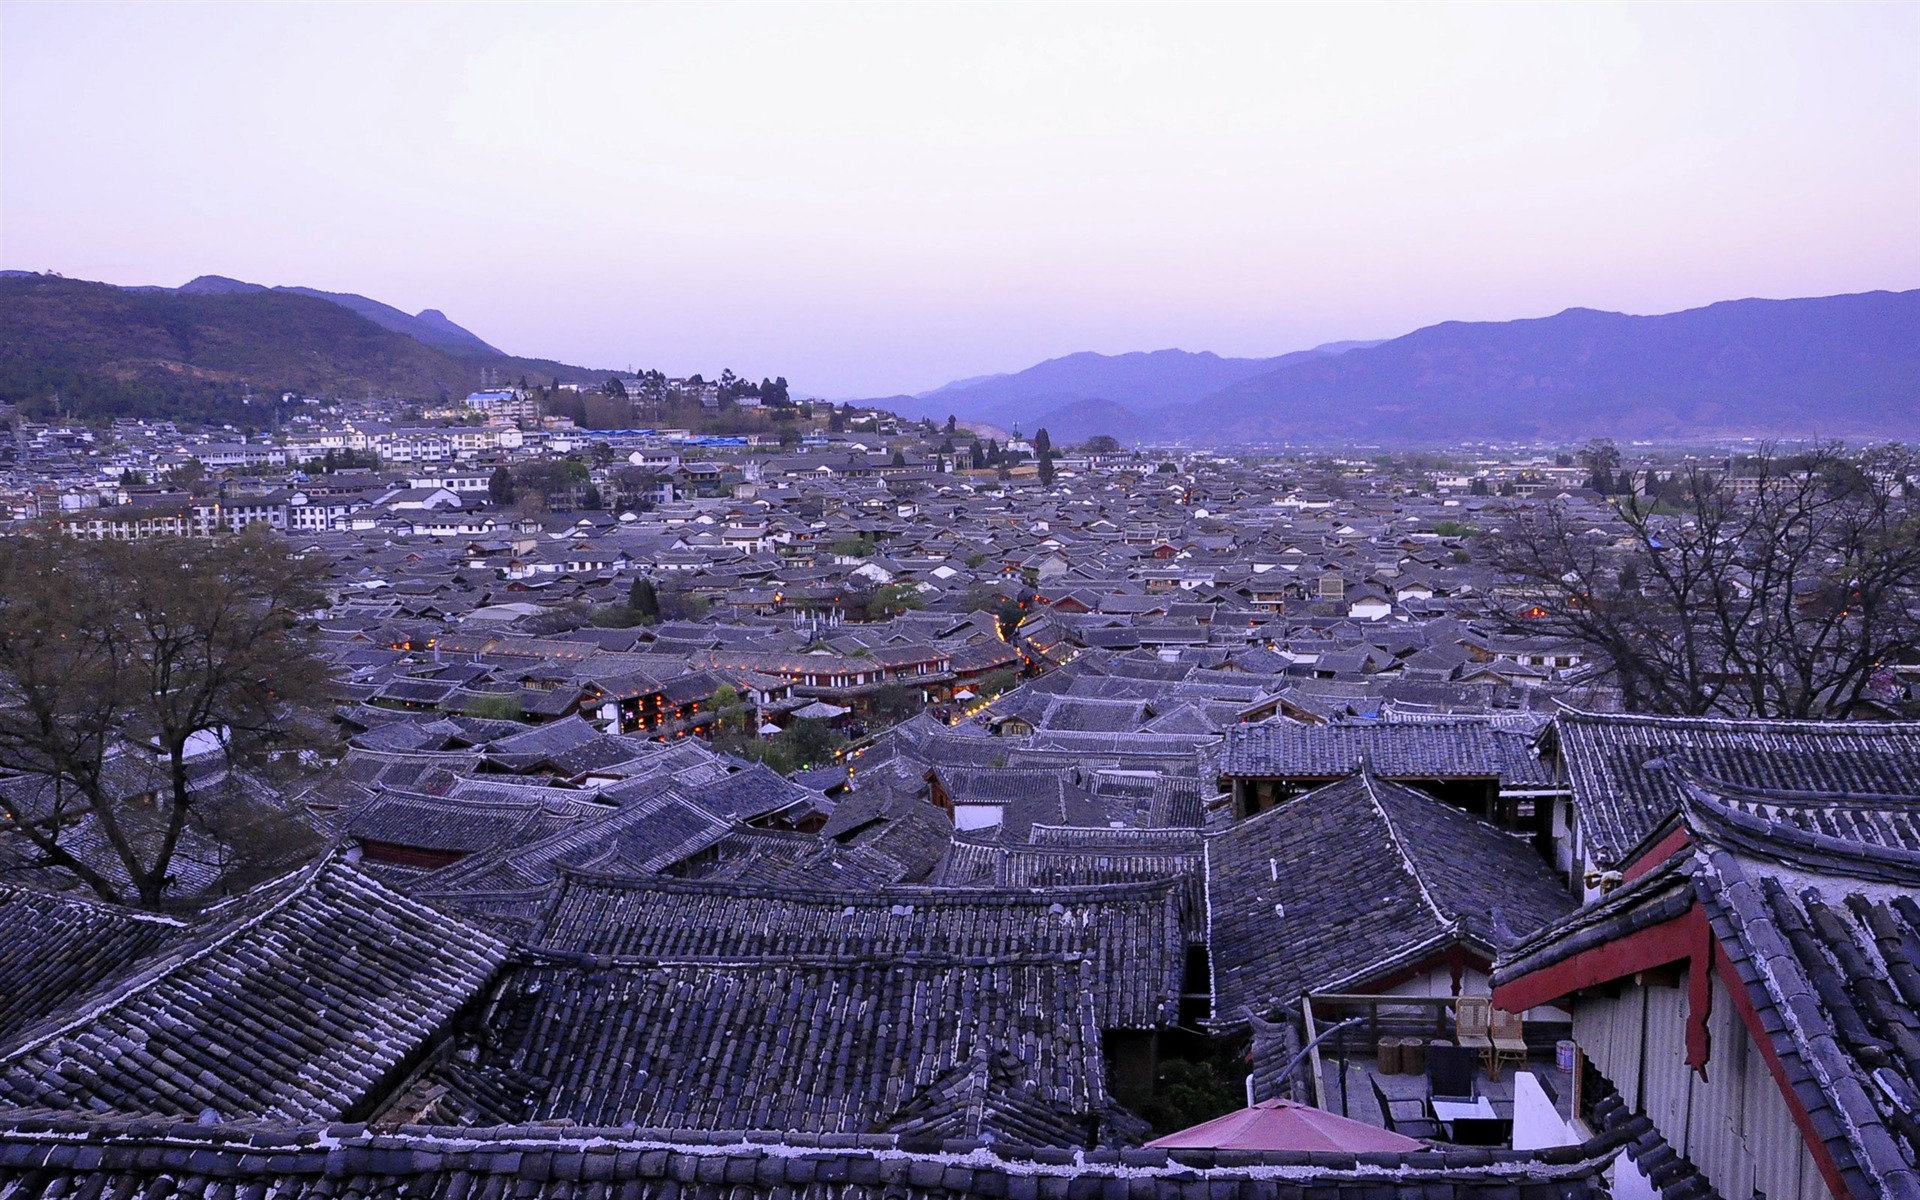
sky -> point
(877, 198)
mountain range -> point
(203, 351)
(429, 326)
(1840, 366)
(1089, 393)
(1834, 366)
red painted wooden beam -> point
(1688, 937)
(1656, 854)
(1670, 941)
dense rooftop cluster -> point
(929, 816)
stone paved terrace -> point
(1399, 1102)
(1398, 1099)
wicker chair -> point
(1507, 1034)
(1471, 1015)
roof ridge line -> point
(88, 903)
(1393, 833)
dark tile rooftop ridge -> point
(1394, 750)
(96, 909)
(1628, 773)
(1837, 994)
(1736, 724)
(835, 960)
(1737, 826)
(1672, 1173)
(43, 1155)
(892, 894)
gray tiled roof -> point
(1334, 887)
(802, 1044)
(465, 824)
(293, 1002)
(1616, 765)
(1058, 858)
(1832, 967)
(64, 1156)
(645, 835)
(1277, 749)
(1820, 923)
(1128, 933)
(59, 947)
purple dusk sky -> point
(878, 198)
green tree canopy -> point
(894, 599)
(642, 599)
(1601, 458)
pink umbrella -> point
(1284, 1125)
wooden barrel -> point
(1388, 1051)
(1413, 1056)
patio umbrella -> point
(1284, 1125)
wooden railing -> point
(1418, 1016)
(1436, 1021)
(1428, 1016)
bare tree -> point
(118, 661)
(1777, 588)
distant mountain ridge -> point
(1834, 366)
(205, 351)
(429, 327)
(1082, 394)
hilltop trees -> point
(643, 396)
(558, 482)
(1601, 458)
(1776, 589)
(633, 487)
(500, 486)
(119, 661)
(642, 599)
(189, 476)
(890, 600)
